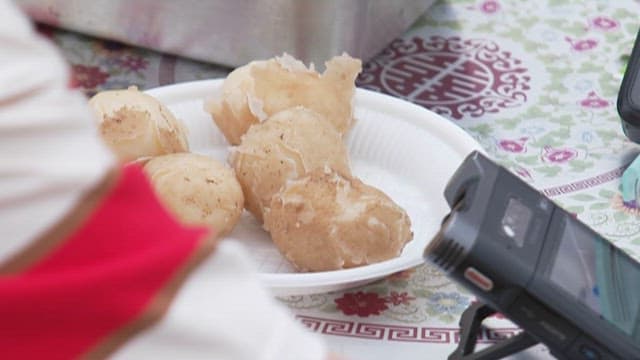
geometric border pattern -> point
(371, 331)
(585, 184)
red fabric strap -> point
(98, 280)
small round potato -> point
(324, 221)
(285, 147)
(197, 189)
(253, 92)
(136, 125)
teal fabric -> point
(630, 182)
(619, 289)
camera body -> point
(527, 258)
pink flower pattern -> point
(559, 155)
(490, 7)
(522, 172)
(594, 101)
(604, 23)
(582, 44)
(514, 146)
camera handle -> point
(470, 324)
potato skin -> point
(256, 91)
(286, 146)
(197, 189)
(136, 125)
(326, 221)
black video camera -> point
(561, 282)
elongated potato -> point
(135, 125)
(197, 189)
(253, 92)
(326, 221)
(286, 146)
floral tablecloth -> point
(535, 82)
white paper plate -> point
(401, 148)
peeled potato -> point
(135, 125)
(325, 221)
(197, 189)
(286, 146)
(252, 93)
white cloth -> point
(223, 313)
(50, 154)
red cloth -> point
(100, 279)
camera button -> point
(478, 279)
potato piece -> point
(197, 189)
(254, 92)
(325, 221)
(235, 109)
(135, 125)
(285, 147)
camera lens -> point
(442, 251)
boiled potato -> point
(286, 146)
(253, 92)
(197, 189)
(135, 125)
(326, 221)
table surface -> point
(535, 83)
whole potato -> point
(135, 125)
(253, 92)
(326, 221)
(286, 146)
(197, 189)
